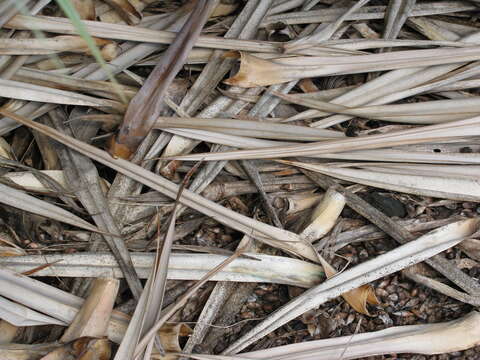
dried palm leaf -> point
(182, 266)
(428, 339)
(426, 183)
(52, 45)
(257, 129)
(145, 106)
(390, 262)
(432, 133)
(365, 13)
(94, 315)
(22, 91)
(276, 237)
(255, 71)
(129, 33)
(20, 200)
(20, 315)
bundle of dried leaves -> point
(216, 179)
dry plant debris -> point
(239, 179)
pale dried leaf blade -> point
(93, 318)
(283, 239)
(255, 71)
(412, 252)
(428, 339)
(20, 200)
(20, 315)
(182, 266)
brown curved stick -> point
(145, 107)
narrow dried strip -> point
(406, 255)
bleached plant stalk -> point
(427, 339)
(255, 71)
(399, 154)
(50, 46)
(130, 33)
(395, 85)
(406, 255)
(426, 134)
(445, 185)
(94, 72)
(18, 199)
(324, 216)
(67, 82)
(365, 13)
(427, 112)
(94, 315)
(23, 91)
(249, 128)
(51, 301)
(182, 266)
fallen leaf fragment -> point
(82, 349)
(357, 298)
(429, 339)
(93, 318)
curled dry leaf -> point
(471, 247)
(170, 338)
(324, 216)
(357, 298)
